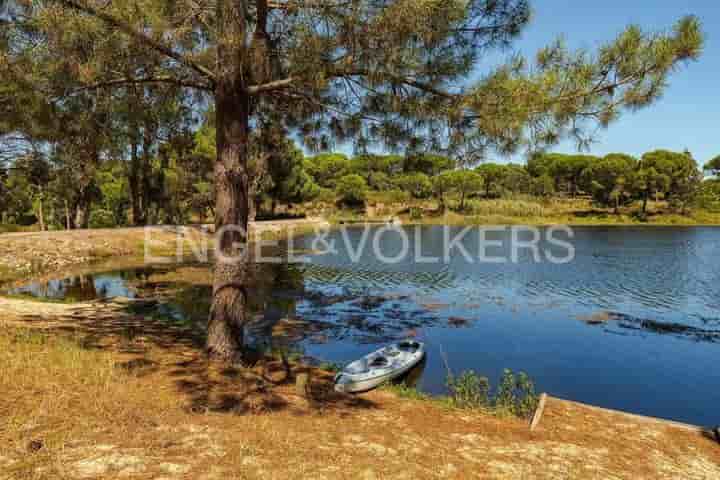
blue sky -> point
(688, 116)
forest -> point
(171, 183)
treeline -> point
(612, 181)
(154, 178)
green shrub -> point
(708, 196)
(101, 218)
(469, 390)
(325, 195)
(515, 395)
(351, 189)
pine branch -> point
(141, 37)
(287, 82)
(134, 81)
(270, 86)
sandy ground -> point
(23, 254)
(183, 418)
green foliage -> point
(542, 186)
(325, 195)
(410, 82)
(386, 164)
(610, 179)
(417, 184)
(327, 168)
(101, 218)
(463, 182)
(429, 164)
(708, 196)
(469, 390)
(492, 175)
(674, 175)
(115, 197)
(380, 181)
(565, 170)
(351, 189)
(416, 213)
(515, 395)
(713, 166)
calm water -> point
(633, 322)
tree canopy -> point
(391, 72)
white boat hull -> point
(379, 367)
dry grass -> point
(57, 394)
(92, 392)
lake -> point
(631, 321)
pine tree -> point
(389, 71)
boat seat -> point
(379, 362)
(408, 346)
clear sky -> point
(688, 116)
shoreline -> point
(157, 388)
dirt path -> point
(174, 416)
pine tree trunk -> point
(82, 215)
(134, 183)
(41, 213)
(227, 313)
(68, 223)
(145, 173)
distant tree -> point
(443, 184)
(493, 175)
(465, 183)
(713, 166)
(648, 180)
(115, 197)
(516, 179)
(368, 164)
(417, 184)
(566, 170)
(708, 195)
(674, 174)
(328, 168)
(351, 189)
(379, 181)
(427, 163)
(542, 186)
(610, 179)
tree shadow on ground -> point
(173, 357)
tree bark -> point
(68, 221)
(41, 213)
(82, 214)
(134, 183)
(146, 193)
(227, 314)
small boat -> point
(379, 367)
